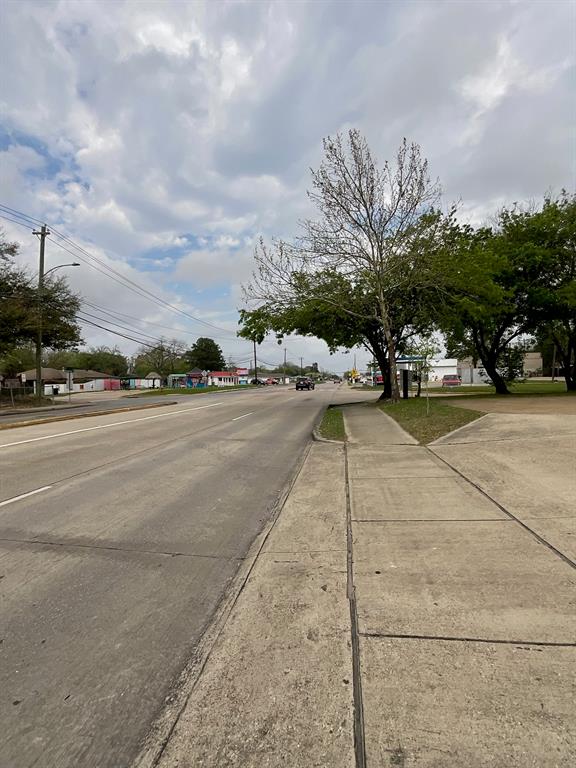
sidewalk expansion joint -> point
(101, 547)
(433, 520)
(359, 730)
(450, 639)
(509, 514)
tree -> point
(102, 359)
(544, 243)
(106, 360)
(329, 306)
(376, 227)
(206, 355)
(510, 280)
(21, 307)
(164, 358)
(18, 359)
(488, 305)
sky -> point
(164, 138)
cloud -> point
(167, 136)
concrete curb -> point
(320, 439)
(69, 417)
(442, 440)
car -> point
(451, 380)
(271, 381)
(258, 382)
(303, 382)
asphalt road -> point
(94, 402)
(119, 535)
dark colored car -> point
(258, 382)
(304, 383)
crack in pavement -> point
(75, 545)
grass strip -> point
(332, 424)
(188, 391)
(428, 426)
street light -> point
(72, 264)
(41, 275)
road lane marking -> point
(24, 495)
(105, 426)
(244, 416)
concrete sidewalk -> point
(396, 616)
(466, 620)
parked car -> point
(258, 382)
(303, 382)
(450, 380)
(271, 381)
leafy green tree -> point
(18, 359)
(206, 355)
(21, 308)
(544, 245)
(511, 362)
(376, 227)
(515, 279)
(489, 304)
(164, 358)
(330, 306)
(107, 360)
(102, 359)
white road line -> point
(244, 416)
(24, 495)
(105, 426)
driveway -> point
(525, 404)
(526, 463)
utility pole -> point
(43, 233)
(284, 362)
(255, 363)
(301, 368)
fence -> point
(11, 397)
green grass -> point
(441, 419)
(529, 387)
(332, 424)
(186, 391)
(24, 401)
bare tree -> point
(376, 225)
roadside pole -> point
(255, 363)
(43, 233)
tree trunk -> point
(391, 348)
(489, 357)
(419, 382)
(567, 356)
(382, 358)
(490, 367)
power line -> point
(113, 274)
(117, 333)
(119, 325)
(117, 314)
(126, 281)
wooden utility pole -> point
(255, 363)
(42, 234)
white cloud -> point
(140, 128)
